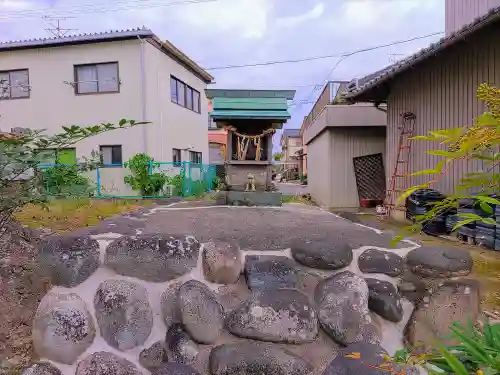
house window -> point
(195, 157)
(189, 98)
(111, 155)
(176, 157)
(196, 101)
(97, 78)
(14, 84)
(184, 95)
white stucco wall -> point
(174, 126)
(53, 104)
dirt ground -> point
(20, 292)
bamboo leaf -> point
(423, 138)
(462, 223)
(469, 216)
(457, 367)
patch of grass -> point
(67, 215)
(487, 271)
(295, 199)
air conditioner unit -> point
(19, 131)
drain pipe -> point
(143, 98)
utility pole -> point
(55, 28)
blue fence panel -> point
(107, 181)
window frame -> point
(176, 152)
(196, 106)
(111, 165)
(75, 73)
(195, 153)
(10, 92)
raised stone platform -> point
(249, 198)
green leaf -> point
(423, 138)
(462, 223)
(487, 199)
(444, 153)
(486, 207)
(424, 172)
(489, 220)
(469, 216)
(122, 122)
(407, 193)
(457, 367)
(440, 166)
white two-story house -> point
(101, 78)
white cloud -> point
(246, 18)
(9, 5)
(295, 21)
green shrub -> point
(149, 184)
(66, 180)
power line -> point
(311, 58)
(346, 55)
(96, 8)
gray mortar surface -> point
(255, 230)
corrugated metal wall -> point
(319, 163)
(348, 143)
(442, 95)
(461, 12)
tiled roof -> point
(109, 36)
(377, 78)
(292, 133)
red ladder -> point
(401, 165)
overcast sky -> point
(227, 32)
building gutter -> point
(143, 98)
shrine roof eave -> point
(275, 116)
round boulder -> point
(62, 328)
(378, 261)
(123, 313)
(153, 257)
(154, 357)
(436, 261)
(361, 358)
(222, 262)
(104, 363)
(384, 300)
(276, 315)
(181, 348)
(202, 314)
(169, 307)
(270, 272)
(342, 304)
(68, 260)
(318, 255)
(43, 368)
(253, 358)
(173, 368)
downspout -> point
(143, 98)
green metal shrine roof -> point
(250, 104)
